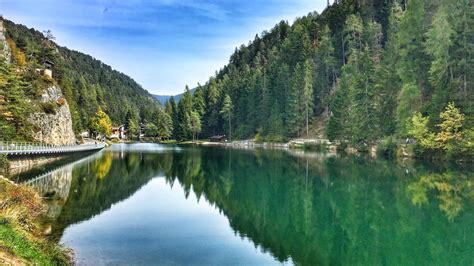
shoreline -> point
(23, 238)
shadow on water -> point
(311, 210)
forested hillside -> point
(87, 83)
(361, 71)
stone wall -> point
(53, 128)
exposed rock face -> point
(54, 128)
(5, 53)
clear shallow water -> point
(151, 204)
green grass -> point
(19, 245)
(21, 231)
(171, 141)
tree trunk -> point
(307, 121)
(230, 129)
(343, 52)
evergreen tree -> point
(212, 113)
(411, 67)
(133, 129)
(387, 82)
(195, 124)
(164, 124)
(183, 127)
(151, 130)
(338, 124)
(438, 46)
(172, 111)
(14, 105)
(295, 117)
(226, 111)
(199, 104)
(325, 70)
(307, 93)
(461, 19)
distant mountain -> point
(163, 98)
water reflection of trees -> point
(313, 210)
(333, 211)
(106, 180)
(451, 189)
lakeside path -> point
(26, 148)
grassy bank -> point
(23, 240)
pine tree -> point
(412, 64)
(294, 109)
(438, 46)
(199, 104)
(387, 82)
(183, 127)
(307, 93)
(172, 111)
(325, 70)
(338, 124)
(195, 121)
(14, 105)
(164, 124)
(212, 113)
(227, 111)
(461, 18)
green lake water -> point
(149, 204)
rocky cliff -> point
(52, 122)
(5, 53)
(55, 126)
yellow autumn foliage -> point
(18, 55)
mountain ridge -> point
(164, 98)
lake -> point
(142, 204)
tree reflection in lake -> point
(450, 188)
(310, 210)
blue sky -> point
(162, 44)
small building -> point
(118, 132)
(218, 138)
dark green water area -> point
(150, 204)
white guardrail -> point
(25, 148)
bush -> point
(387, 147)
(4, 163)
(259, 138)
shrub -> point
(259, 138)
(4, 163)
